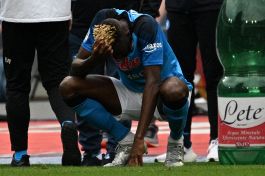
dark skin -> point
(102, 89)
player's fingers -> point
(98, 47)
(133, 161)
(109, 50)
(104, 48)
(101, 47)
(95, 46)
(140, 160)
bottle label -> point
(241, 121)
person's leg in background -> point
(18, 51)
(54, 64)
(2, 75)
(213, 71)
(90, 140)
(183, 40)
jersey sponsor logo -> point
(129, 64)
(135, 76)
(152, 47)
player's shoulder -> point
(145, 24)
(145, 19)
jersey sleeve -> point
(149, 41)
(89, 40)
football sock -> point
(18, 154)
(176, 119)
(97, 116)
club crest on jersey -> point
(152, 47)
(129, 64)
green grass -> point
(194, 169)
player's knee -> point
(66, 87)
(174, 92)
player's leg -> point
(131, 107)
(95, 99)
(89, 137)
(183, 39)
(175, 104)
(90, 140)
(111, 145)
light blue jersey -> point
(150, 48)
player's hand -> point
(101, 50)
(136, 156)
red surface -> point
(44, 138)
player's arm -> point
(86, 61)
(150, 94)
(91, 53)
(149, 102)
(78, 67)
(152, 58)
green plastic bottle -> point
(241, 92)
